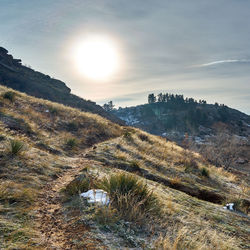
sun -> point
(97, 58)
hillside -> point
(50, 153)
(220, 133)
(193, 118)
(17, 76)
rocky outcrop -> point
(17, 76)
(8, 60)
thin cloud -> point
(223, 62)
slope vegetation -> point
(161, 196)
(39, 141)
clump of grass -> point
(205, 172)
(134, 164)
(183, 238)
(131, 197)
(190, 164)
(12, 192)
(175, 181)
(16, 147)
(71, 143)
(128, 134)
(53, 110)
(72, 126)
(143, 137)
(106, 215)
(9, 95)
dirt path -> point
(56, 231)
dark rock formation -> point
(14, 75)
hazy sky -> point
(199, 48)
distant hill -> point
(221, 134)
(19, 77)
(179, 116)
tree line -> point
(173, 99)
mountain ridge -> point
(19, 77)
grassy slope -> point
(44, 128)
(150, 157)
(165, 167)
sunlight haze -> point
(196, 48)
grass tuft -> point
(131, 197)
(16, 147)
(9, 95)
(143, 137)
(53, 110)
(204, 172)
(71, 143)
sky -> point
(199, 48)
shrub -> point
(175, 181)
(72, 126)
(106, 215)
(144, 137)
(130, 197)
(9, 95)
(204, 172)
(71, 143)
(53, 110)
(127, 135)
(16, 147)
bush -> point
(53, 110)
(72, 126)
(127, 135)
(9, 95)
(106, 215)
(16, 147)
(204, 172)
(71, 143)
(144, 137)
(130, 197)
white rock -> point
(96, 196)
(229, 206)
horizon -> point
(197, 49)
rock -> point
(96, 196)
(241, 161)
(230, 206)
(3, 51)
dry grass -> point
(186, 222)
(168, 161)
(131, 198)
(207, 239)
(36, 130)
(12, 192)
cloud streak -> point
(223, 62)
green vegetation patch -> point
(131, 197)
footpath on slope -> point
(56, 231)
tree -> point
(151, 98)
(160, 97)
(109, 106)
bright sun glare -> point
(97, 58)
